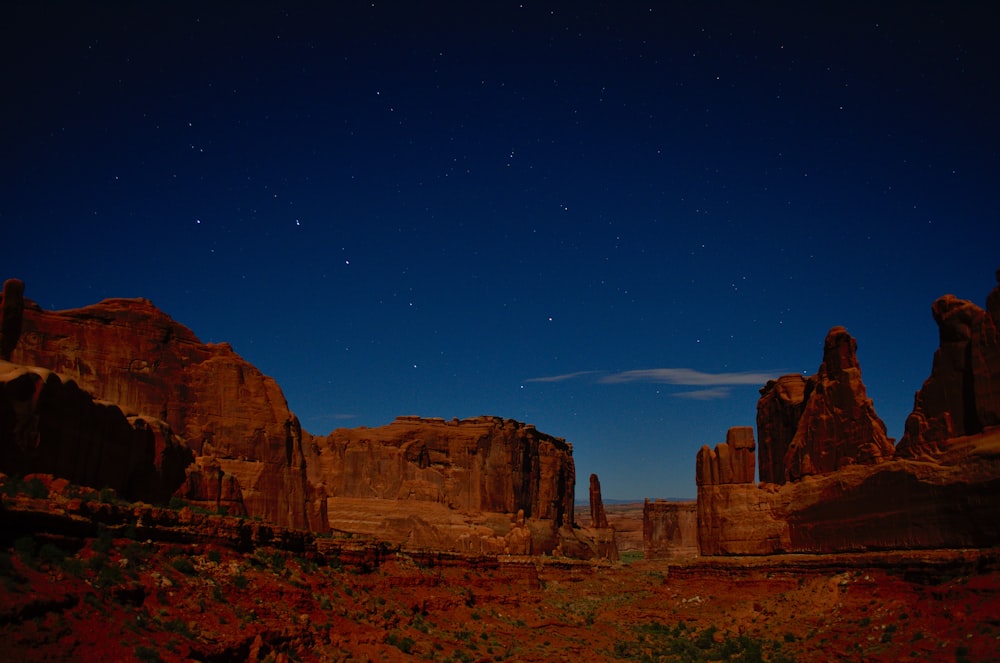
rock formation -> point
(128, 352)
(839, 426)
(669, 529)
(779, 409)
(598, 518)
(730, 462)
(484, 465)
(962, 395)
(840, 485)
(50, 425)
(11, 316)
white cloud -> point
(690, 377)
(715, 393)
(561, 378)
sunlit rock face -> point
(128, 352)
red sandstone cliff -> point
(234, 418)
(446, 478)
(962, 394)
(840, 485)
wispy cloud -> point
(562, 378)
(689, 377)
(713, 394)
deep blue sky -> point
(445, 211)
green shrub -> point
(35, 488)
(184, 565)
(25, 548)
(52, 554)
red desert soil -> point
(116, 595)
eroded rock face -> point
(49, 425)
(779, 409)
(839, 426)
(962, 394)
(730, 462)
(598, 517)
(11, 316)
(669, 529)
(130, 353)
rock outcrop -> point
(669, 529)
(730, 462)
(839, 426)
(484, 465)
(779, 409)
(962, 395)
(841, 486)
(128, 352)
(598, 517)
(11, 316)
(49, 425)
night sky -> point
(612, 220)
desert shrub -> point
(240, 581)
(147, 654)
(104, 541)
(35, 488)
(214, 556)
(25, 548)
(51, 553)
(184, 565)
(402, 643)
(108, 496)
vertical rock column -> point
(11, 316)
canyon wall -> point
(234, 419)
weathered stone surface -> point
(128, 352)
(839, 426)
(962, 395)
(448, 471)
(49, 425)
(670, 529)
(480, 464)
(11, 316)
(598, 518)
(779, 409)
(730, 462)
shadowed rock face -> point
(779, 409)
(50, 425)
(962, 394)
(128, 352)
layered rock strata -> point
(440, 473)
(128, 352)
(669, 529)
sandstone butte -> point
(830, 479)
(118, 394)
